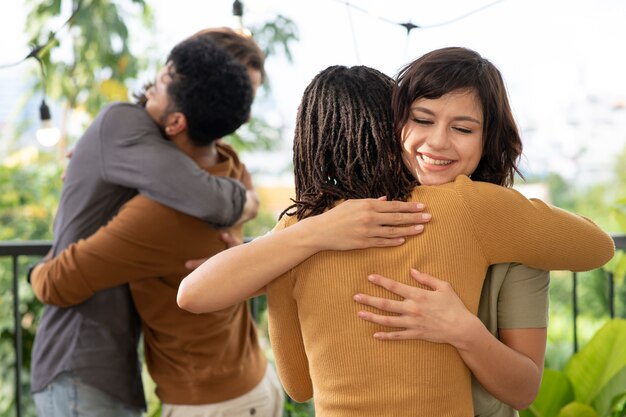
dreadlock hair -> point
(456, 69)
(344, 145)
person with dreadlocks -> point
(315, 342)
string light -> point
(47, 134)
(238, 14)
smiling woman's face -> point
(443, 138)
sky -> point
(564, 61)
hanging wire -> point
(408, 25)
(35, 50)
(43, 74)
(463, 16)
(362, 10)
(354, 38)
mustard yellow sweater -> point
(324, 350)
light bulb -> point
(238, 26)
(48, 135)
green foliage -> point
(257, 134)
(28, 199)
(594, 380)
(294, 409)
(617, 265)
(561, 193)
(275, 36)
(97, 60)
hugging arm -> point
(510, 369)
(537, 234)
(136, 155)
(128, 248)
(238, 273)
(292, 363)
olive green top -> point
(517, 302)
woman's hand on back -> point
(435, 314)
(367, 223)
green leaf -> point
(620, 217)
(617, 265)
(576, 409)
(554, 393)
(611, 394)
(593, 369)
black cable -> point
(462, 16)
(43, 74)
(34, 52)
(354, 38)
(409, 26)
(362, 10)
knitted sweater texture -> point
(323, 350)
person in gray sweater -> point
(84, 360)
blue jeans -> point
(67, 396)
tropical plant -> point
(593, 383)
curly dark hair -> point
(344, 145)
(210, 88)
(245, 50)
(445, 70)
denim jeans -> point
(67, 396)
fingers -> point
(397, 335)
(194, 263)
(387, 321)
(385, 304)
(393, 219)
(403, 290)
(384, 206)
(381, 205)
(389, 232)
(401, 322)
(230, 240)
(429, 281)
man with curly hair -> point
(84, 360)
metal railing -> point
(620, 243)
(14, 250)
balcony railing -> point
(15, 250)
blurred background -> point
(563, 61)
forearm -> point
(238, 273)
(235, 274)
(50, 286)
(135, 155)
(507, 374)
